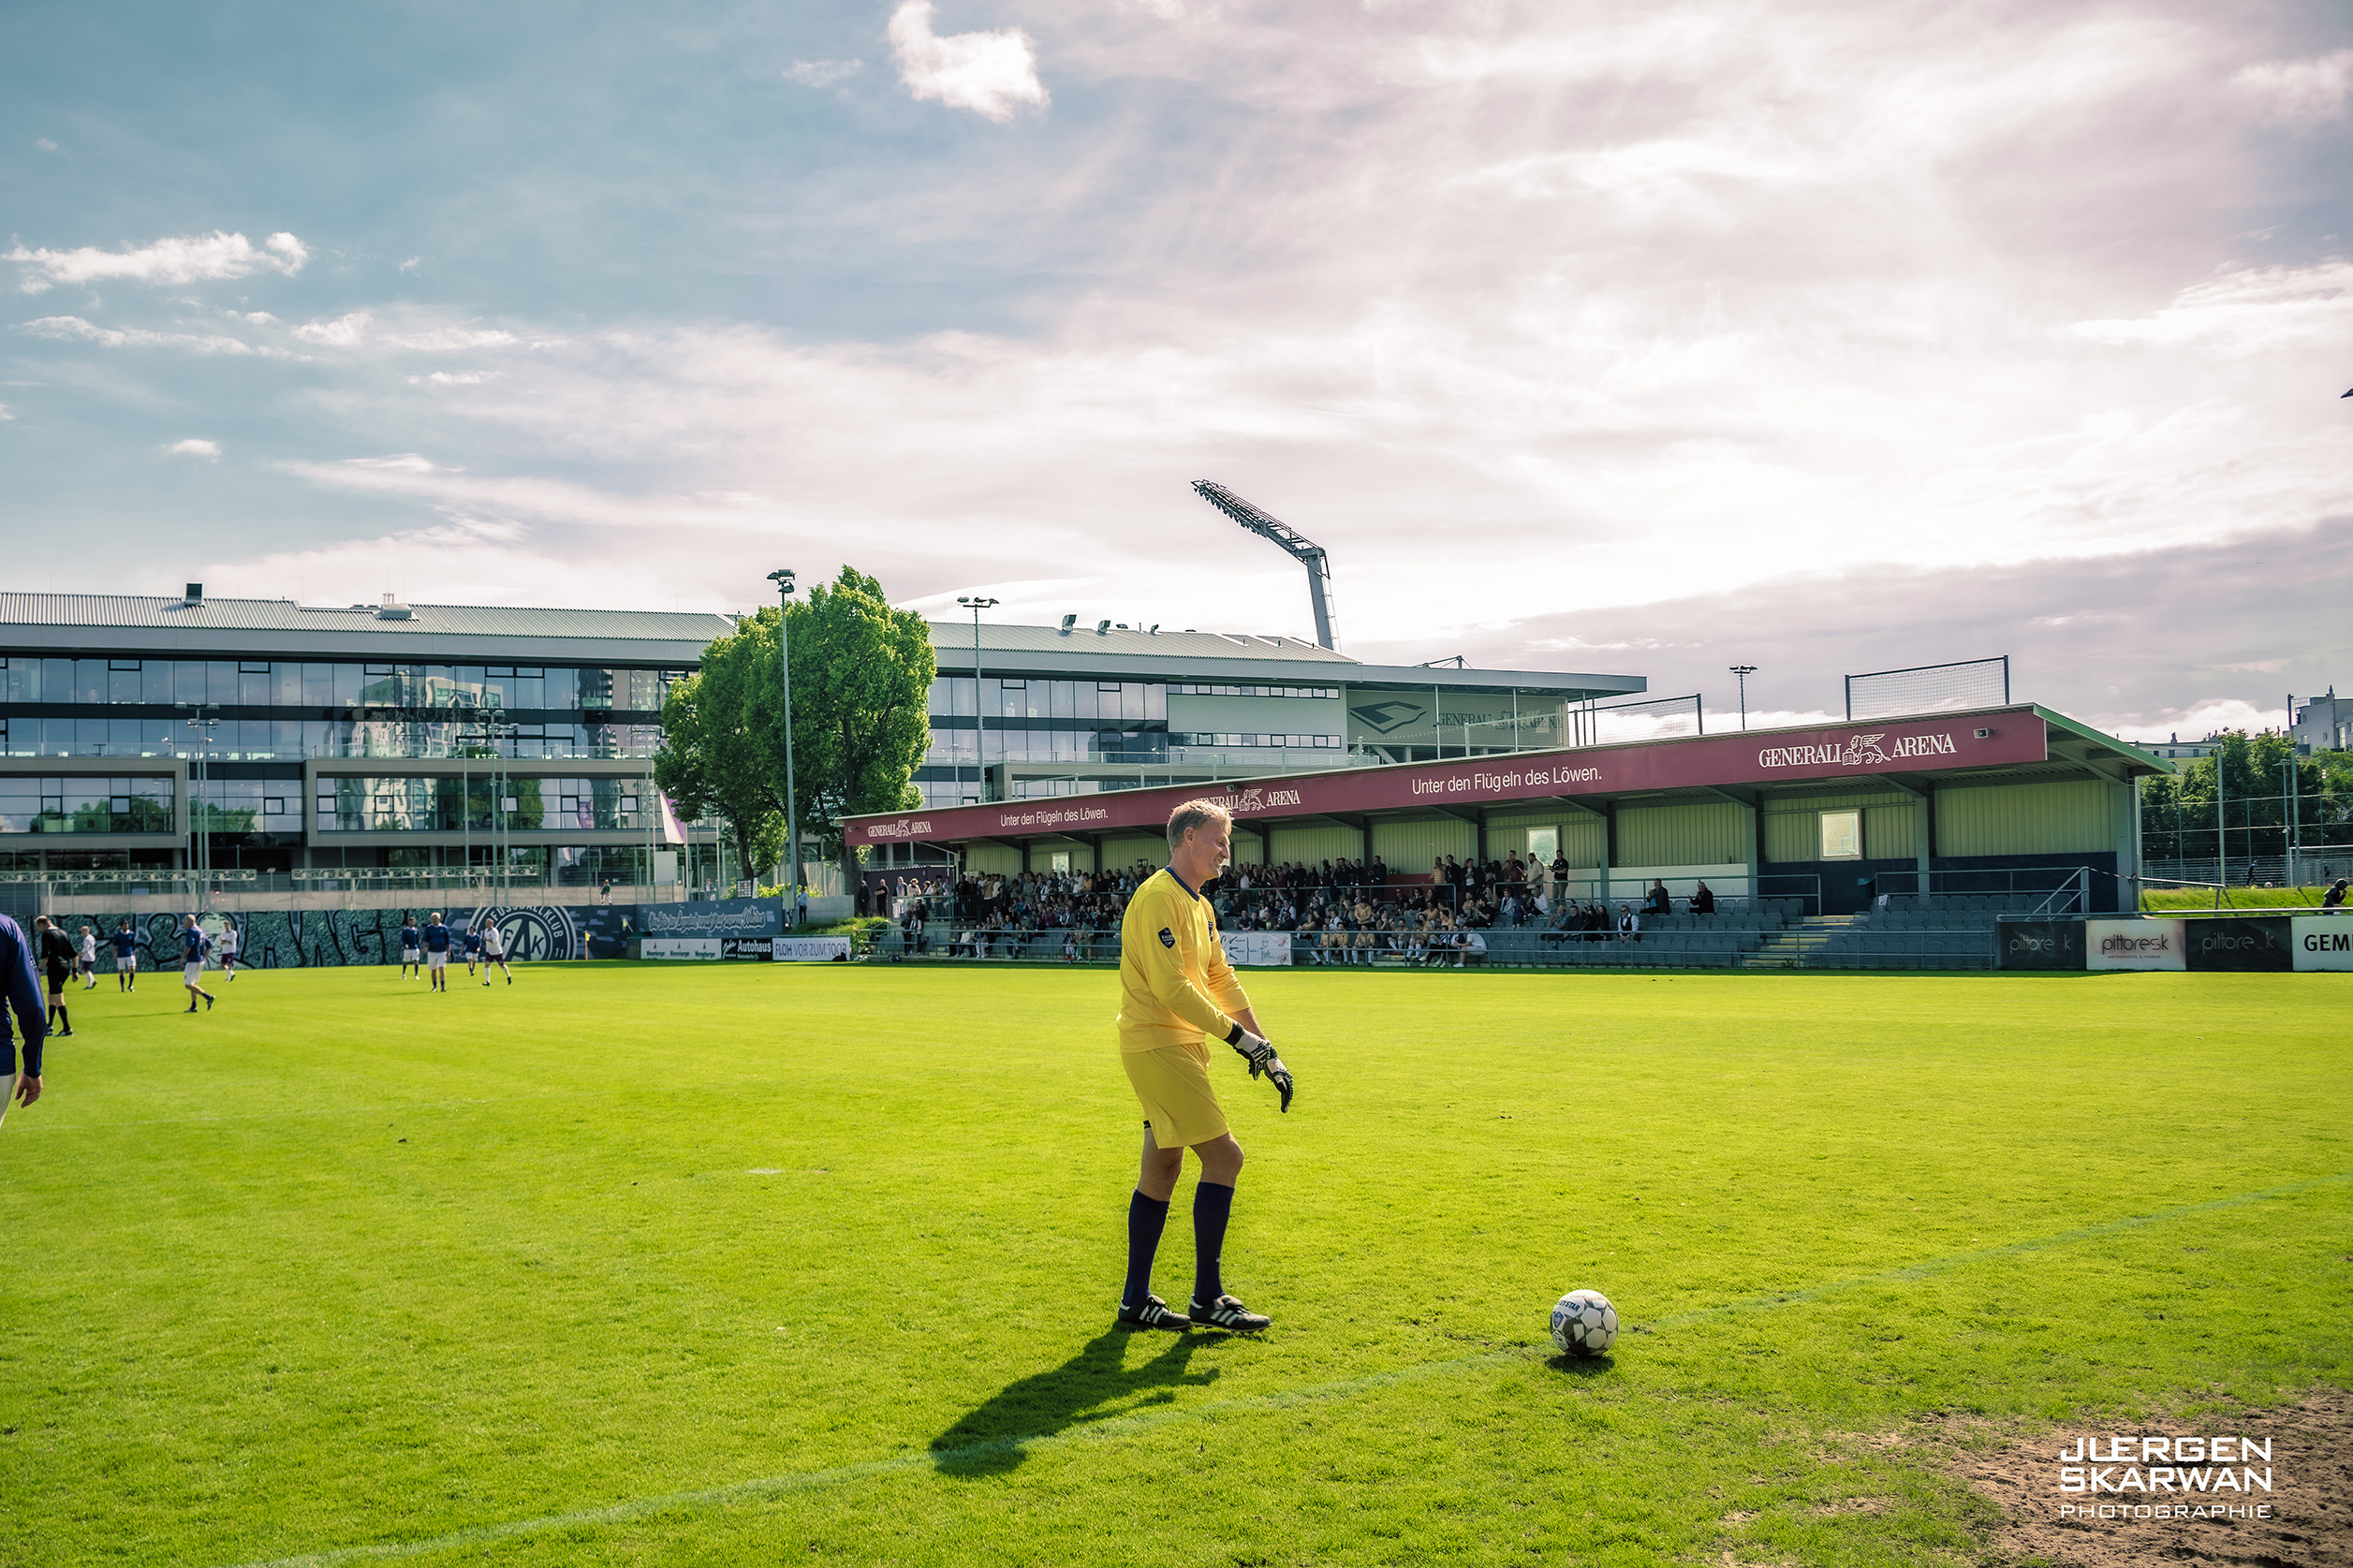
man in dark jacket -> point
(56, 961)
(20, 1072)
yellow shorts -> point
(1172, 1086)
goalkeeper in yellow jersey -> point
(1176, 993)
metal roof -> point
(952, 636)
(72, 623)
(1223, 656)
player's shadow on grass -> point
(990, 1439)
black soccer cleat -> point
(1154, 1314)
(1230, 1314)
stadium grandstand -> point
(1898, 842)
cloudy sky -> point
(1648, 337)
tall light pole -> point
(980, 720)
(782, 578)
(1743, 671)
(201, 848)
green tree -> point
(862, 685)
(2178, 813)
(861, 681)
(723, 743)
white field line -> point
(1125, 1426)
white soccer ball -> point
(1584, 1323)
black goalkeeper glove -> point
(1259, 1052)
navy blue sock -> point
(1145, 1217)
(1212, 1205)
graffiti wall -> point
(313, 938)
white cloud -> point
(412, 263)
(993, 74)
(2300, 92)
(195, 446)
(184, 259)
(45, 144)
(4, 414)
(822, 73)
(73, 326)
(454, 378)
(344, 331)
(443, 340)
(2244, 311)
(358, 328)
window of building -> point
(1543, 844)
(1842, 835)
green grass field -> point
(756, 1265)
(2206, 901)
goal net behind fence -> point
(1885, 694)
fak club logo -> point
(1168, 937)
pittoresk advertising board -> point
(2132, 944)
(1985, 739)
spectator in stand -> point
(2332, 901)
(1703, 900)
(1655, 900)
(1629, 924)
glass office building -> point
(299, 737)
(1045, 710)
(437, 736)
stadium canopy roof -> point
(64, 625)
(1990, 745)
(1231, 656)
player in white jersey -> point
(493, 952)
(226, 946)
(89, 958)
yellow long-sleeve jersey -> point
(1176, 988)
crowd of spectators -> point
(1337, 911)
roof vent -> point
(1102, 628)
(392, 609)
(194, 598)
(1068, 621)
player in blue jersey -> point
(471, 940)
(194, 944)
(125, 958)
(20, 1076)
(437, 952)
(412, 946)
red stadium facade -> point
(2065, 801)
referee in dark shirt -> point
(23, 988)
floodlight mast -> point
(1294, 544)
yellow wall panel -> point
(1415, 846)
(2060, 816)
(1311, 845)
(1693, 833)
